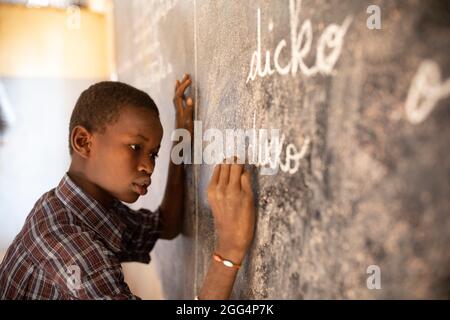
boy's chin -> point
(129, 198)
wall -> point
(44, 66)
(46, 42)
(364, 114)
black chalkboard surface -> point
(364, 179)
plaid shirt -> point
(71, 248)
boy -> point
(77, 234)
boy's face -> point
(122, 158)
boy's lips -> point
(141, 187)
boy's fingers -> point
(189, 108)
(185, 78)
(186, 81)
(224, 174)
(178, 104)
(177, 84)
(246, 182)
(235, 175)
(182, 87)
(215, 176)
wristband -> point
(225, 262)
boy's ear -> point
(81, 140)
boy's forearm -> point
(218, 283)
(172, 207)
(219, 280)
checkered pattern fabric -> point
(71, 247)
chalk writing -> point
(328, 51)
(425, 92)
(147, 67)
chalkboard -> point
(366, 111)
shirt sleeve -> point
(144, 228)
(80, 269)
(104, 284)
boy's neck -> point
(80, 179)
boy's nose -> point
(146, 165)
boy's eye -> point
(135, 147)
(154, 155)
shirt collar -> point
(106, 223)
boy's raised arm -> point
(172, 207)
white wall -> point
(34, 155)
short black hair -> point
(100, 105)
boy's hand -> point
(184, 114)
(231, 198)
